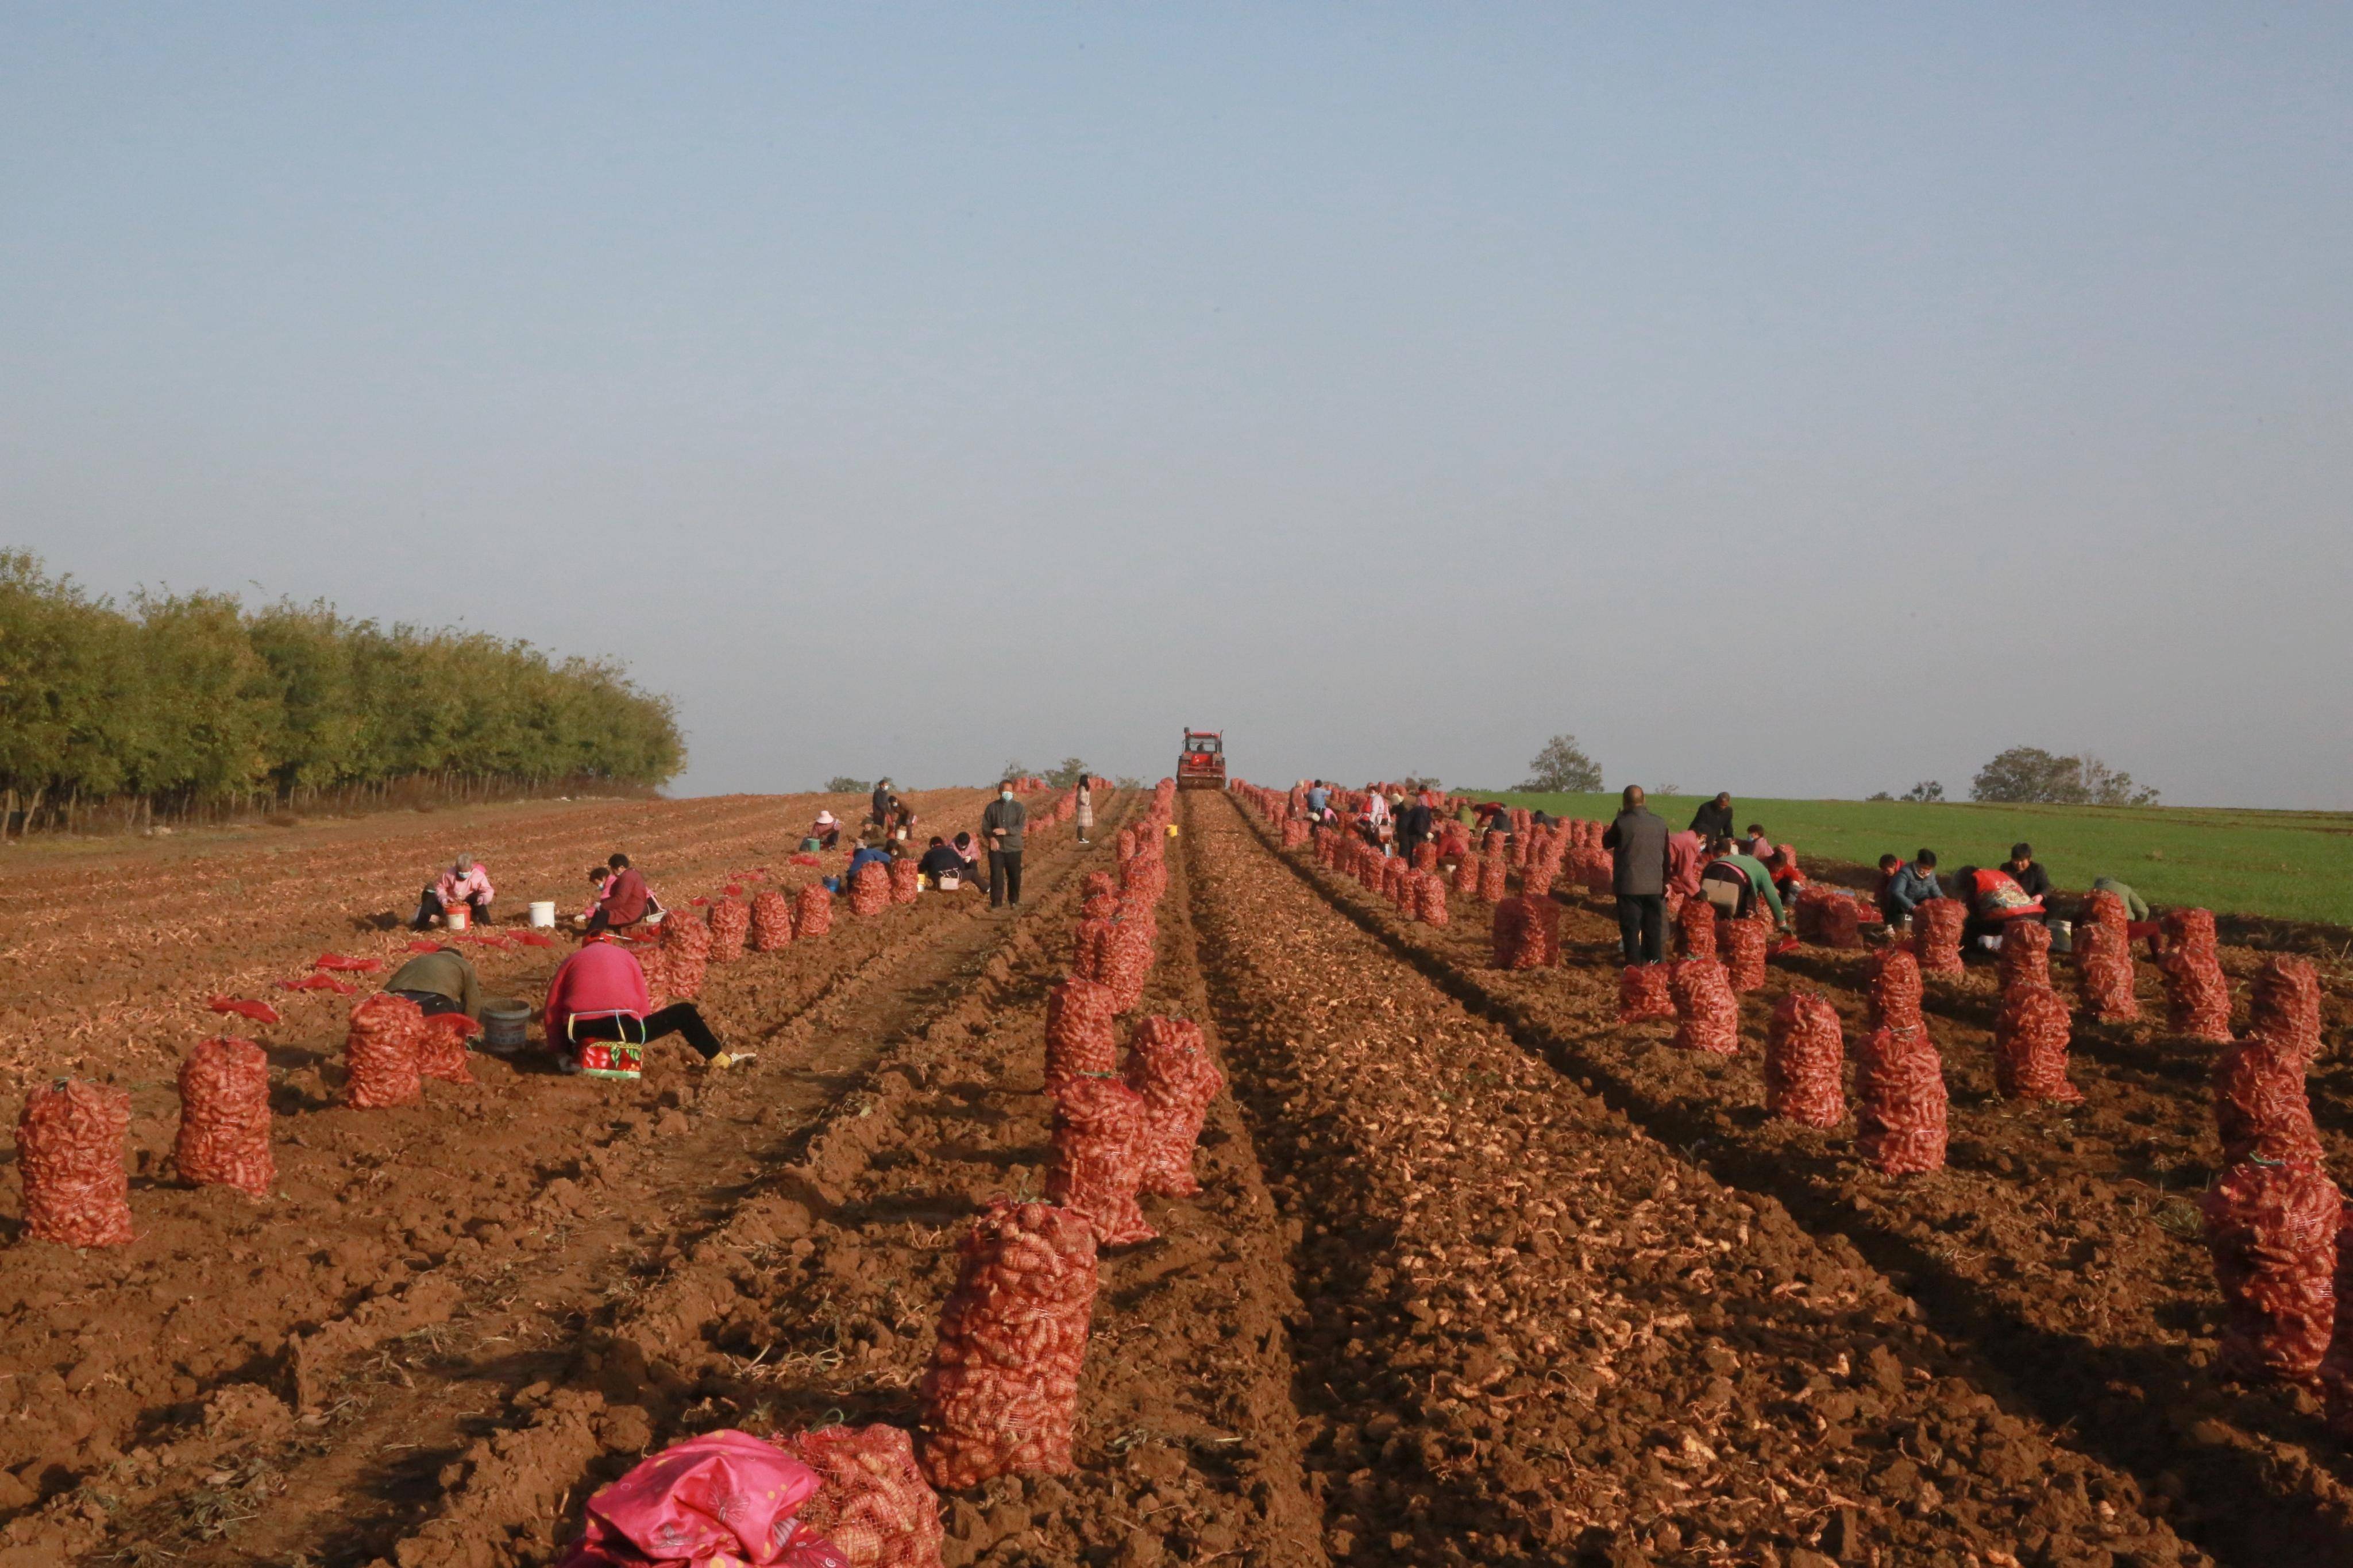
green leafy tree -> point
(1563, 767)
(1072, 770)
(1926, 790)
(842, 784)
(2031, 775)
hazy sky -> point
(1800, 400)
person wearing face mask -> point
(1002, 825)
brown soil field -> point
(1476, 1276)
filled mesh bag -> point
(812, 912)
(2273, 1233)
(1900, 1101)
(1744, 946)
(1425, 856)
(2261, 1110)
(441, 1047)
(1536, 882)
(1828, 919)
(870, 891)
(1803, 1049)
(380, 1052)
(1695, 928)
(1644, 993)
(1936, 926)
(2197, 997)
(1090, 939)
(2103, 973)
(872, 1502)
(225, 1118)
(1707, 1014)
(2029, 1046)
(1095, 1156)
(1001, 1392)
(1466, 876)
(1894, 989)
(1429, 904)
(906, 881)
(1403, 896)
(69, 1158)
(1495, 873)
(731, 923)
(2286, 1005)
(1527, 933)
(2337, 1366)
(1168, 1067)
(686, 951)
(772, 921)
(1079, 1038)
(2025, 956)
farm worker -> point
(1003, 825)
(464, 882)
(1686, 855)
(442, 981)
(1787, 880)
(825, 830)
(1994, 900)
(1734, 881)
(1413, 827)
(1908, 885)
(1639, 878)
(969, 853)
(1319, 800)
(2028, 872)
(1712, 820)
(1467, 814)
(883, 804)
(864, 856)
(1083, 810)
(2137, 907)
(941, 861)
(597, 877)
(626, 901)
(598, 996)
(1756, 844)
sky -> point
(1798, 400)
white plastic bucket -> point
(542, 914)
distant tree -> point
(1072, 770)
(1415, 784)
(1563, 767)
(1014, 771)
(2031, 775)
(842, 784)
(1126, 781)
(1926, 790)
(1878, 794)
(1667, 789)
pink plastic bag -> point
(720, 1500)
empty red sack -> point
(2273, 1233)
(380, 1052)
(69, 1158)
(1644, 993)
(1803, 1049)
(225, 1118)
(1707, 1014)
(1901, 1101)
(2029, 1046)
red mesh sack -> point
(1828, 919)
(1088, 940)
(441, 1047)
(1127, 843)
(1894, 989)
(731, 922)
(1495, 873)
(1425, 856)
(1078, 1034)
(1936, 934)
(2337, 1366)
(2272, 1232)
(870, 891)
(873, 1504)
(1803, 1049)
(1707, 1014)
(686, 950)
(1899, 1084)
(1744, 953)
(1466, 876)
(1168, 1069)
(380, 1052)
(1403, 896)
(656, 972)
(906, 881)
(1695, 928)
(1099, 885)
(1429, 906)
(1096, 1156)
(2104, 972)
(69, 1158)
(2102, 908)
(2260, 1108)
(1144, 875)
(225, 1118)
(2025, 956)
(1002, 1388)
(2197, 997)
(812, 912)
(1644, 993)
(2286, 1006)
(2030, 1046)
(772, 921)
(1527, 933)
(1126, 962)
(1294, 833)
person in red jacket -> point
(626, 899)
(596, 1015)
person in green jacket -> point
(442, 981)
(1730, 866)
(2136, 907)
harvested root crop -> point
(1707, 1014)
(1803, 1050)
(1644, 993)
(1096, 1163)
(2273, 1233)
(1900, 1086)
(225, 1118)
(69, 1158)
(2030, 1046)
(1167, 1066)
(380, 1052)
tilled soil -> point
(1538, 1333)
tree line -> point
(2020, 776)
(184, 702)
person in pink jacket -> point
(600, 1017)
(464, 882)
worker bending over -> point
(1907, 886)
(943, 865)
(1993, 899)
(465, 882)
(597, 1020)
(442, 981)
(1734, 882)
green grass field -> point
(2286, 865)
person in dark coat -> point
(2028, 873)
(1712, 820)
(1638, 840)
(1413, 826)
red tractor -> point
(1202, 764)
